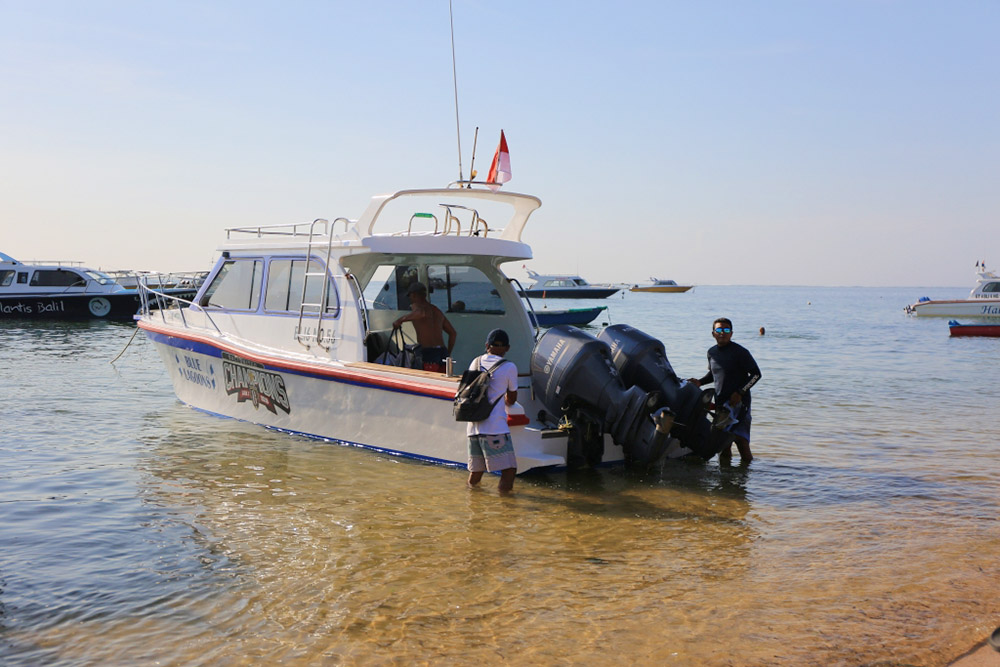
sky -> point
(840, 142)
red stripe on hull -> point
(338, 374)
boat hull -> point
(351, 404)
(957, 308)
(661, 288)
(114, 306)
(984, 330)
(572, 316)
(581, 293)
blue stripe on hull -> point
(343, 443)
(585, 293)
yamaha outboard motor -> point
(572, 374)
(641, 361)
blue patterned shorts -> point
(742, 427)
(491, 453)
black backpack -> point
(472, 404)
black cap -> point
(498, 337)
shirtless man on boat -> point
(429, 323)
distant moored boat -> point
(658, 285)
(983, 300)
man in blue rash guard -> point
(733, 370)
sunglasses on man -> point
(722, 330)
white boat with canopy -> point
(286, 331)
(983, 300)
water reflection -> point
(343, 552)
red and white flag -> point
(500, 168)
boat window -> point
(6, 278)
(991, 288)
(580, 281)
(22, 277)
(284, 286)
(236, 285)
(463, 289)
(389, 284)
(56, 278)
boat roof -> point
(465, 221)
(537, 276)
(48, 264)
(523, 206)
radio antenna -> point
(472, 165)
(454, 76)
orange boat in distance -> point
(661, 286)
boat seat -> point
(376, 343)
(379, 341)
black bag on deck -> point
(472, 403)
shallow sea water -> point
(136, 530)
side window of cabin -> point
(56, 278)
(236, 285)
(6, 278)
(284, 286)
(387, 289)
(991, 288)
(22, 277)
(462, 289)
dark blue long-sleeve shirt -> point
(732, 369)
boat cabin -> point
(42, 277)
(340, 303)
(561, 282)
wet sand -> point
(981, 656)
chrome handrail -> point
(362, 302)
(521, 294)
(163, 299)
(290, 228)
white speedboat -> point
(565, 286)
(61, 291)
(286, 330)
(659, 285)
(983, 300)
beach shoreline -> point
(980, 655)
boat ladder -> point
(317, 309)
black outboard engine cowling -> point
(642, 362)
(572, 374)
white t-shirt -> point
(504, 379)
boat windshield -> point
(99, 277)
(580, 282)
(452, 288)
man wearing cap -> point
(429, 322)
(490, 446)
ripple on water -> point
(863, 533)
